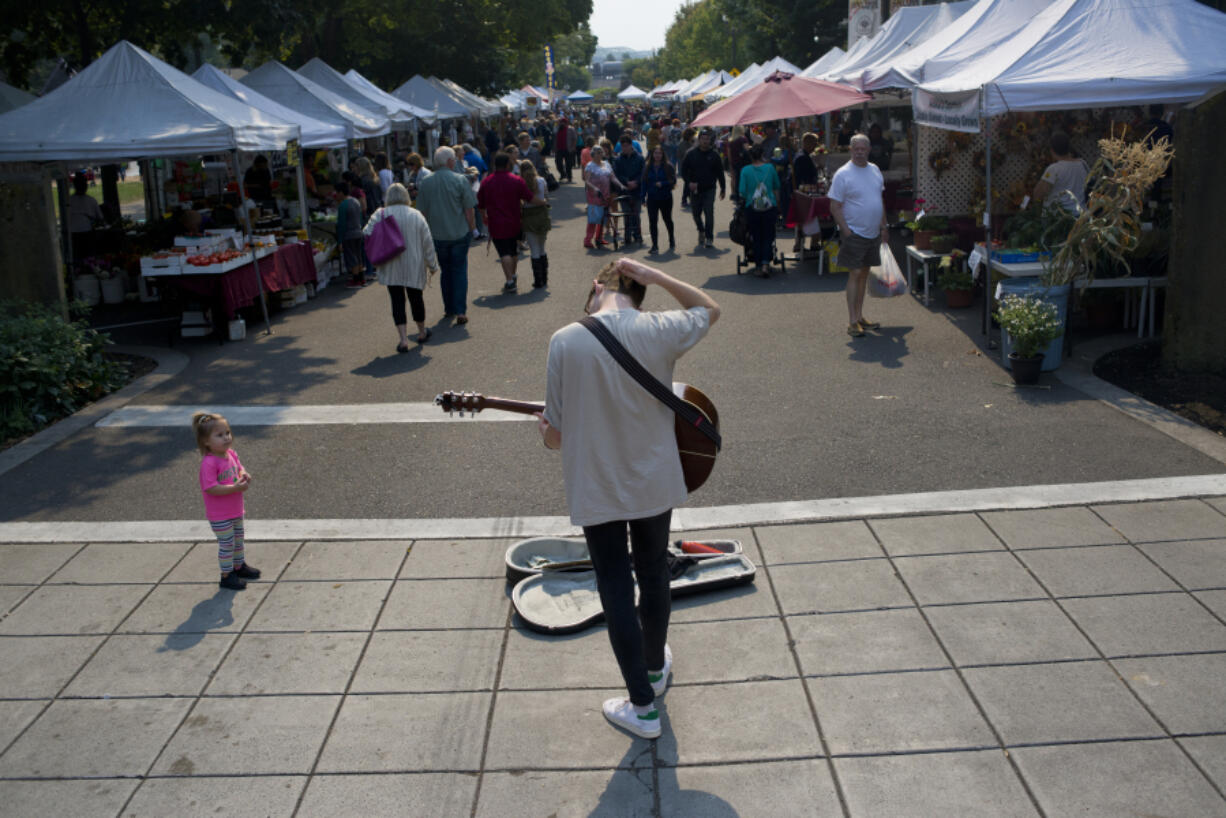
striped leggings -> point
(229, 543)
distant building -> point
(607, 73)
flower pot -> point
(86, 288)
(1056, 294)
(112, 290)
(923, 239)
(1025, 370)
(957, 299)
(942, 244)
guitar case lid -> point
(533, 556)
(559, 602)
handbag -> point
(385, 241)
(551, 182)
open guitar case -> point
(555, 587)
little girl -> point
(223, 481)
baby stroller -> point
(738, 231)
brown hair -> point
(414, 160)
(527, 172)
(614, 281)
(202, 424)
(809, 142)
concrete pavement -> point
(1049, 661)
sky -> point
(637, 24)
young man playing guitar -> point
(621, 465)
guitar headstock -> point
(460, 401)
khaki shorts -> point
(856, 252)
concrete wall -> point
(30, 260)
(1194, 337)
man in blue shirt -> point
(628, 168)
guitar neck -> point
(518, 406)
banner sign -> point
(549, 70)
(950, 112)
(293, 154)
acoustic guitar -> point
(696, 449)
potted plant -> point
(925, 226)
(955, 279)
(1030, 325)
(943, 243)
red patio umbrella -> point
(780, 96)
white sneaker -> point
(621, 713)
(659, 679)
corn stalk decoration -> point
(1108, 228)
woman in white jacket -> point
(405, 275)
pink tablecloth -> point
(807, 210)
(291, 265)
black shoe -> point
(246, 572)
(654, 251)
(232, 582)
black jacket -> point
(705, 168)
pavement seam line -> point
(226, 655)
(800, 672)
(1169, 736)
(958, 671)
(370, 634)
(489, 716)
(51, 700)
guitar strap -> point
(685, 411)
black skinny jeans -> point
(637, 639)
(662, 207)
(397, 294)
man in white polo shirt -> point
(857, 207)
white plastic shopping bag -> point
(886, 281)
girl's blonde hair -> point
(527, 172)
(202, 425)
(362, 167)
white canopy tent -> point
(979, 28)
(705, 83)
(422, 93)
(11, 97)
(752, 76)
(730, 87)
(483, 106)
(128, 104)
(398, 113)
(377, 94)
(514, 100)
(906, 28)
(291, 89)
(823, 63)
(632, 92)
(1086, 54)
(315, 133)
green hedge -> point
(49, 367)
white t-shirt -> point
(386, 179)
(859, 191)
(619, 448)
(1066, 176)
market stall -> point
(1086, 57)
(118, 108)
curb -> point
(1078, 372)
(170, 363)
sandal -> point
(461, 319)
(402, 348)
(421, 340)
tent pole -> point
(302, 205)
(61, 189)
(255, 262)
(987, 217)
